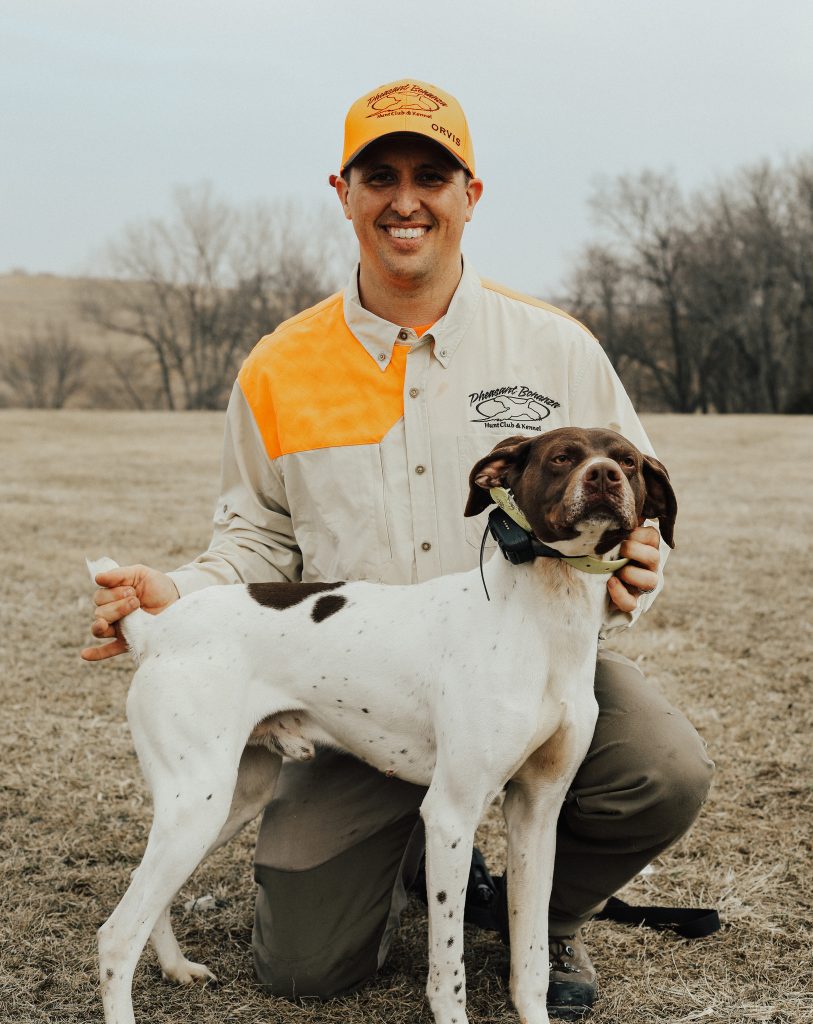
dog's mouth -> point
(593, 508)
(590, 524)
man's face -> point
(409, 202)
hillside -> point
(32, 300)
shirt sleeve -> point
(253, 539)
(598, 399)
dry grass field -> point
(729, 641)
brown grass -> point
(729, 642)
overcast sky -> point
(105, 105)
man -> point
(349, 437)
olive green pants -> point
(340, 844)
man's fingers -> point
(115, 610)
(643, 580)
(117, 646)
(113, 594)
(646, 535)
(620, 596)
(101, 628)
(645, 554)
(121, 576)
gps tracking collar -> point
(514, 535)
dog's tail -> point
(134, 627)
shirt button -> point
(426, 546)
(420, 469)
(382, 356)
(413, 392)
(403, 335)
(443, 352)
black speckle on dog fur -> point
(441, 896)
(326, 606)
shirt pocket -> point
(337, 504)
(470, 448)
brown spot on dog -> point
(547, 761)
(327, 606)
(284, 595)
(441, 896)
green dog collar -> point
(584, 563)
(505, 499)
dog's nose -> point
(603, 476)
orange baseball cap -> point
(408, 106)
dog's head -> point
(569, 479)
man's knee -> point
(653, 798)
(301, 953)
(647, 774)
(675, 776)
(325, 930)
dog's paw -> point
(186, 972)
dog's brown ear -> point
(492, 469)
(660, 502)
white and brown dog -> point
(232, 678)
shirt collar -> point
(379, 336)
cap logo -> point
(404, 99)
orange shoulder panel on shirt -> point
(311, 384)
(501, 290)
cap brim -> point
(418, 135)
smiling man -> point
(349, 438)
(409, 203)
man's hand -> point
(123, 590)
(640, 575)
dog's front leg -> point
(450, 819)
(533, 800)
(530, 813)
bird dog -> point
(231, 679)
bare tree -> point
(202, 287)
(44, 370)
(646, 218)
(710, 300)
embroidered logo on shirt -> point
(516, 406)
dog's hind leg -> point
(191, 808)
(256, 781)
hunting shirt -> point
(349, 440)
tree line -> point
(705, 303)
(702, 303)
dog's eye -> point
(627, 461)
(561, 459)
